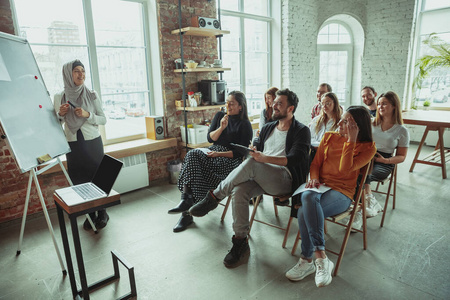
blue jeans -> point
(311, 217)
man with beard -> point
(277, 166)
(368, 95)
(321, 89)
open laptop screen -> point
(107, 173)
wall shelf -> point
(195, 31)
(200, 108)
(200, 32)
(193, 146)
(197, 70)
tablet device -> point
(242, 147)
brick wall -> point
(299, 53)
(195, 48)
(388, 30)
(6, 21)
(387, 27)
(13, 185)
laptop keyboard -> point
(87, 191)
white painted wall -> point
(387, 26)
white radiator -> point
(134, 174)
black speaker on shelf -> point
(202, 22)
(155, 127)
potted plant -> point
(428, 63)
(439, 60)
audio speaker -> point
(203, 22)
(155, 127)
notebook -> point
(98, 188)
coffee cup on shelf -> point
(217, 62)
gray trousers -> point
(249, 180)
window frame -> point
(348, 47)
(410, 93)
(273, 20)
(154, 78)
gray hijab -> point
(80, 96)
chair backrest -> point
(364, 171)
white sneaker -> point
(324, 268)
(357, 222)
(302, 269)
(376, 206)
(372, 206)
(370, 202)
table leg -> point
(79, 255)
(442, 150)
(419, 149)
(62, 226)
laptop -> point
(98, 188)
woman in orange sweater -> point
(337, 163)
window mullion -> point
(92, 49)
(92, 52)
(242, 53)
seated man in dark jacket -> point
(277, 166)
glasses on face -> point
(231, 103)
(327, 103)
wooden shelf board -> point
(198, 70)
(193, 146)
(200, 108)
(255, 124)
(125, 149)
(195, 31)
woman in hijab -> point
(80, 110)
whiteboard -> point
(27, 115)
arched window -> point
(335, 53)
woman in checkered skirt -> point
(204, 169)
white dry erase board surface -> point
(27, 115)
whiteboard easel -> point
(33, 177)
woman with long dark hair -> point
(202, 171)
(337, 164)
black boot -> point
(186, 202)
(238, 254)
(102, 219)
(278, 202)
(203, 207)
(86, 224)
(253, 200)
(185, 220)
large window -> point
(108, 37)
(247, 49)
(334, 44)
(434, 18)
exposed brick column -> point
(6, 21)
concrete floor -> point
(407, 259)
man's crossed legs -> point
(250, 179)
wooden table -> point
(79, 210)
(434, 120)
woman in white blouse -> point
(327, 120)
(79, 109)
